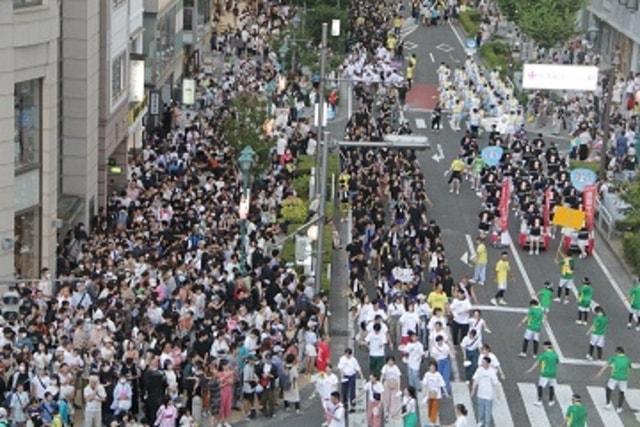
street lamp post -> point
(245, 162)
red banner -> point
(547, 209)
(589, 201)
(505, 196)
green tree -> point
(509, 8)
(243, 126)
(549, 22)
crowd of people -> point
(165, 314)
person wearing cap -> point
(585, 296)
(548, 362)
(620, 365)
(576, 414)
(534, 320)
(598, 330)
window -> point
(19, 4)
(28, 132)
(118, 75)
(26, 249)
(118, 3)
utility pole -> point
(321, 211)
(320, 127)
(606, 123)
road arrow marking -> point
(465, 258)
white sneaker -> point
(566, 301)
(493, 301)
(451, 190)
(538, 403)
(556, 299)
(608, 406)
(552, 402)
(638, 328)
(619, 410)
(523, 355)
(629, 325)
(578, 322)
(458, 192)
(589, 357)
(502, 301)
(531, 252)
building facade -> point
(29, 35)
(163, 47)
(615, 24)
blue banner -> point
(492, 155)
(581, 177)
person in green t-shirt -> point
(548, 361)
(576, 415)
(545, 296)
(585, 296)
(533, 319)
(598, 330)
(567, 266)
(620, 365)
(634, 305)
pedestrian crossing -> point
(506, 406)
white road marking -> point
(440, 152)
(461, 394)
(436, 158)
(563, 397)
(359, 418)
(472, 250)
(499, 308)
(455, 32)
(431, 56)
(609, 417)
(421, 124)
(612, 280)
(536, 414)
(445, 47)
(633, 400)
(532, 293)
(501, 411)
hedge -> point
(496, 55)
(470, 20)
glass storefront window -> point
(27, 243)
(19, 4)
(27, 110)
(165, 42)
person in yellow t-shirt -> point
(397, 24)
(455, 174)
(503, 273)
(480, 260)
(392, 42)
(438, 298)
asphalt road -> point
(457, 216)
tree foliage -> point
(243, 126)
(547, 22)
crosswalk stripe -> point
(633, 400)
(609, 417)
(536, 414)
(563, 396)
(421, 124)
(501, 412)
(422, 407)
(462, 395)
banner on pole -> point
(589, 200)
(505, 196)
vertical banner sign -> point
(154, 102)
(188, 91)
(505, 195)
(589, 200)
(547, 209)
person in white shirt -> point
(376, 342)
(334, 414)
(390, 377)
(460, 309)
(94, 395)
(434, 386)
(424, 313)
(415, 352)
(395, 310)
(485, 350)
(441, 352)
(349, 368)
(471, 350)
(485, 381)
(479, 324)
(409, 322)
(373, 386)
(326, 382)
(461, 417)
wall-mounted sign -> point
(188, 91)
(136, 81)
(154, 102)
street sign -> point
(560, 77)
(154, 102)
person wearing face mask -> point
(122, 396)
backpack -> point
(285, 380)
